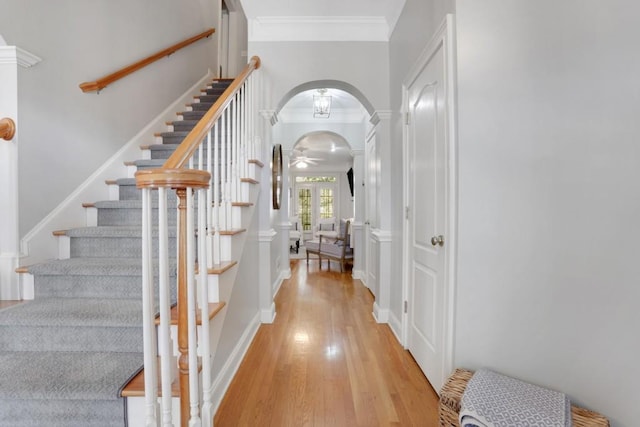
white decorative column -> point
(283, 214)
(382, 235)
(267, 306)
(267, 234)
(10, 58)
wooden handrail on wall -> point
(7, 129)
(105, 81)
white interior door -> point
(427, 146)
(371, 215)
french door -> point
(314, 201)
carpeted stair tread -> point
(61, 413)
(65, 375)
(192, 115)
(149, 163)
(81, 312)
(113, 231)
(179, 125)
(91, 267)
(120, 204)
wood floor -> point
(325, 362)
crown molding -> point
(15, 55)
(318, 28)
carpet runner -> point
(65, 356)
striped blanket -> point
(494, 400)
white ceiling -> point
(331, 151)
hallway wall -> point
(82, 41)
(548, 191)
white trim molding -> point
(318, 28)
(267, 235)
(230, 367)
(266, 293)
(382, 305)
(15, 55)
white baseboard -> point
(396, 327)
(379, 314)
(359, 275)
(230, 367)
(284, 275)
(269, 315)
(38, 244)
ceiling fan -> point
(302, 161)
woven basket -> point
(451, 394)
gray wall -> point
(549, 158)
(82, 41)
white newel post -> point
(10, 58)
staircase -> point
(67, 355)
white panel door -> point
(371, 207)
(427, 173)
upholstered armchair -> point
(337, 248)
(326, 227)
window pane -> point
(304, 208)
(326, 203)
(315, 179)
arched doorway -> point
(350, 117)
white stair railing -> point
(206, 172)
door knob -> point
(437, 240)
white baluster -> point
(167, 362)
(227, 165)
(234, 151)
(223, 166)
(148, 312)
(215, 183)
(207, 404)
(209, 201)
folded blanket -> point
(494, 400)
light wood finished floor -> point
(325, 362)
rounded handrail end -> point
(172, 178)
(7, 129)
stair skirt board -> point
(66, 355)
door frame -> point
(445, 37)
